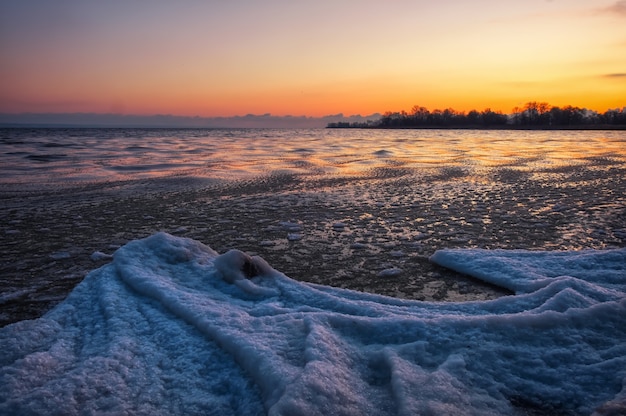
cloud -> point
(619, 8)
(615, 75)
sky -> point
(313, 58)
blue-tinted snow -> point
(170, 327)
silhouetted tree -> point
(517, 115)
(534, 114)
(419, 115)
(473, 118)
(614, 117)
(493, 118)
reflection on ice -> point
(170, 327)
(97, 154)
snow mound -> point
(171, 327)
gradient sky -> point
(290, 57)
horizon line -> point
(113, 120)
(249, 120)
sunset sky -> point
(289, 57)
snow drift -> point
(171, 327)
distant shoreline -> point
(330, 126)
(533, 116)
(540, 128)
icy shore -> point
(171, 327)
(357, 209)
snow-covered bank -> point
(170, 327)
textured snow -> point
(171, 327)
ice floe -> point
(171, 327)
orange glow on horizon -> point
(221, 61)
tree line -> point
(533, 115)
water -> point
(358, 209)
(60, 157)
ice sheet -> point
(171, 327)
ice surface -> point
(171, 327)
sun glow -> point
(314, 59)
